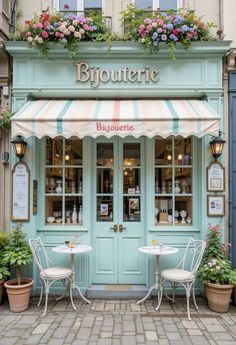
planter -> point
(19, 295)
(1, 289)
(218, 297)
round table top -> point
(155, 250)
(81, 248)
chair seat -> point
(56, 272)
(176, 274)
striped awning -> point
(93, 118)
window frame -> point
(193, 194)
(80, 5)
(156, 4)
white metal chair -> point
(185, 273)
(49, 273)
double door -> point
(119, 209)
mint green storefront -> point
(128, 185)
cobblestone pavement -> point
(114, 322)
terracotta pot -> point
(19, 295)
(1, 289)
(218, 297)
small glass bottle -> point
(74, 215)
(81, 215)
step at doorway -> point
(118, 291)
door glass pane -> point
(131, 180)
(105, 154)
(104, 180)
(131, 209)
(104, 208)
(104, 175)
(131, 155)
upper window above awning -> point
(93, 118)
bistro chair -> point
(49, 274)
(185, 273)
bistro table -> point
(78, 249)
(155, 250)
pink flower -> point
(44, 34)
(217, 268)
(57, 34)
(28, 34)
(39, 25)
(27, 22)
(86, 27)
(141, 27)
(66, 7)
(149, 27)
(189, 35)
(143, 35)
(160, 21)
(209, 264)
(147, 21)
(35, 26)
(40, 40)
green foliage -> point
(17, 252)
(5, 119)
(4, 271)
(215, 267)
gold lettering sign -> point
(96, 75)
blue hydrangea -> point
(190, 29)
(178, 20)
(94, 27)
(55, 25)
(64, 40)
(169, 26)
(154, 36)
(173, 37)
(184, 28)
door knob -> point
(114, 228)
(121, 228)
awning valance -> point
(93, 118)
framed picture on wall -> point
(215, 205)
(215, 177)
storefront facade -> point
(119, 146)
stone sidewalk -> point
(114, 322)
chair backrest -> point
(193, 255)
(39, 253)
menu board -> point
(20, 192)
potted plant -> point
(18, 254)
(4, 272)
(216, 273)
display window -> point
(173, 185)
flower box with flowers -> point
(68, 29)
(216, 272)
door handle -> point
(121, 228)
(114, 228)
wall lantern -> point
(217, 145)
(19, 146)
